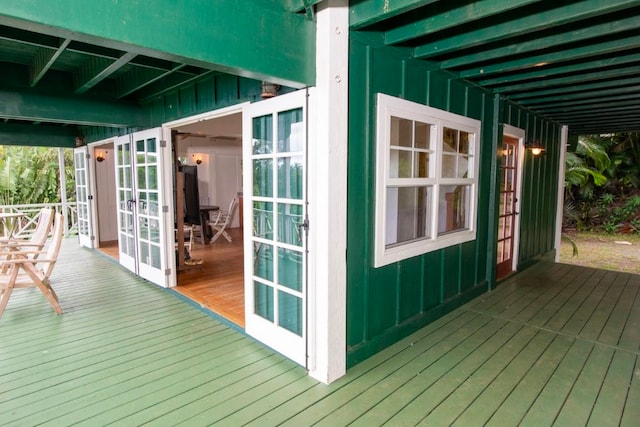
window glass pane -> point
(407, 214)
(423, 135)
(400, 164)
(290, 269)
(289, 220)
(449, 140)
(263, 177)
(453, 208)
(263, 262)
(401, 132)
(421, 168)
(449, 165)
(263, 135)
(263, 300)
(290, 312)
(464, 143)
(290, 131)
(263, 220)
(464, 167)
(290, 177)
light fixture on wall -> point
(198, 158)
(535, 146)
(269, 90)
(100, 156)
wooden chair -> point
(26, 269)
(220, 220)
(38, 237)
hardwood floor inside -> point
(218, 283)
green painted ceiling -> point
(577, 62)
(71, 62)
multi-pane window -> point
(426, 179)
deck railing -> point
(27, 223)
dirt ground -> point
(609, 252)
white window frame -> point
(388, 106)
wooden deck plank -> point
(558, 313)
(514, 408)
(588, 305)
(615, 325)
(630, 338)
(414, 378)
(547, 405)
(604, 309)
(444, 385)
(380, 368)
(631, 412)
(129, 353)
(86, 386)
(577, 408)
(482, 408)
(612, 398)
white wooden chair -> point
(220, 220)
(25, 269)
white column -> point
(328, 194)
(564, 138)
(63, 190)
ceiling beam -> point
(548, 42)
(34, 105)
(96, 69)
(43, 60)
(37, 136)
(578, 88)
(139, 78)
(572, 79)
(456, 17)
(264, 42)
(597, 106)
(368, 12)
(545, 59)
(559, 95)
(570, 13)
(543, 72)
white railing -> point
(27, 223)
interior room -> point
(209, 153)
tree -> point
(31, 175)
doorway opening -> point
(208, 153)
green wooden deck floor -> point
(557, 344)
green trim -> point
(38, 136)
(260, 41)
(367, 12)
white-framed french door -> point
(84, 196)
(142, 212)
(275, 218)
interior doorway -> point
(210, 146)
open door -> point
(275, 238)
(84, 197)
(141, 210)
(510, 169)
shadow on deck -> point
(555, 344)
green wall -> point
(388, 303)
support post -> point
(63, 191)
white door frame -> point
(93, 147)
(172, 278)
(519, 134)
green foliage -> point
(30, 175)
(603, 181)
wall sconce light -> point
(198, 158)
(100, 156)
(535, 147)
(269, 90)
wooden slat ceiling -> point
(576, 62)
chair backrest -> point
(54, 246)
(232, 208)
(40, 234)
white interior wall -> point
(106, 194)
(220, 173)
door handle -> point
(130, 204)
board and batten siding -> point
(388, 303)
